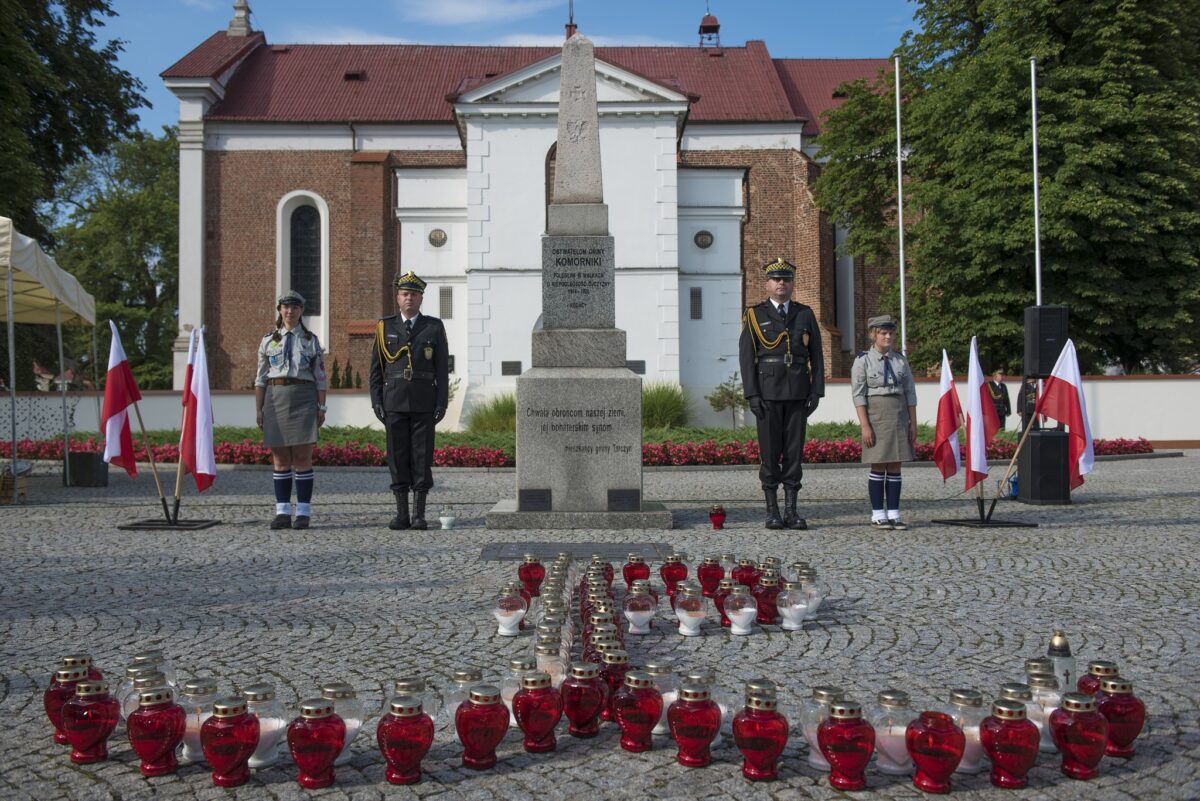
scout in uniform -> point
(783, 373)
(409, 394)
(289, 395)
(885, 397)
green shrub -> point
(664, 405)
(495, 414)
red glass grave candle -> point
(538, 708)
(481, 722)
(315, 740)
(531, 573)
(635, 569)
(724, 588)
(847, 742)
(761, 734)
(615, 666)
(1097, 669)
(1081, 734)
(673, 571)
(84, 661)
(746, 573)
(228, 739)
(155, 728)
(404, 735)
(1125, 713)
(1011, 742)
(694, 720)
(637, 707)
(584, 695)
(716, 515)
(61, 690)
(936, 746)
(765, 594)
(88, 719)
(710, 574)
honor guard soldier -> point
(783, 378)
(409, 395)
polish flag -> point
(982, 422)
(1063, 401)
(120, 392)
(945, 443)
(196, 440)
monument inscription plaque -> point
(577, 282)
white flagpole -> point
(1037, 230)
(900, 214)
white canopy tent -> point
(38, 291)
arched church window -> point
(305, 253)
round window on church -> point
(703, 239)
(437, 237)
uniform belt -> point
(774, 360)
(415, 375)
(278, 382)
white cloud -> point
(600, 40)
(333, 34)
(463, 12)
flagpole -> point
(900, 215)
(1037, 228)
(153, 467)
(1013, 462)
(182, 433)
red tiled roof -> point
(214, 55)
(809, 83)
(411, 83)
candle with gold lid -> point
(792, 605)
(728, 562)
(1011, 743)
(966, 708)
(584, 694)
(710, 574)
(88, 719)
(667, 684)
(689, 610)
(431, 702)
(538, 708)
(635, 569)
(481, 722)
(404, 736)
(457, 691)
(742, 609)
(1038, 664)
(1125, 713)
(672, 572)
(694, 720)
(638, 608)
(550, 661)
(155, 730)
(761, 734)
(637, 707)
(1097, 670)
(1060, 655)
(196, 696)
(1081, 734)
(125, 688)
(510, 685)
(154, 657)
(82, 660)
(890, 718)
(532, 572)
(315, 739)
(61, 690)
(1046, 697)
(724, 590)
(813, 712)
(349, 709)
(228, 738)
(936, 744)
(847, 742)
(272, 723)
(615, 664)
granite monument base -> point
(504, 515)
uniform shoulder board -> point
(268, 334)
(860, 354)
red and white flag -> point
(949, 412)
(196, 440)
(982, 422)
(120, 392)
(1063, 401)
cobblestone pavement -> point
(923, 610)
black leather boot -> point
(790, 517)
(418, 518)
(774, 521)
(400, 521)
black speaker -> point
(1043, 476)
(1045, 335)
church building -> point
(330, 169)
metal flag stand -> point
(172, 521)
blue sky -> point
(159, 32)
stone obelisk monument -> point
(579, 408)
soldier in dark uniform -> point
(409, 395)
(783, 373)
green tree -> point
(728, 395)
(120, 238)
(62, 98)
(1119, 162)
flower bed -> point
(707, 452)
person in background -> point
(289, 394)
(885, 397)
(998, 392)
(1028, 401)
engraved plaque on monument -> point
(579, 409)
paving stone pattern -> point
(923, 610)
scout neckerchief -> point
(390, 356)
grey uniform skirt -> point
(888, 415)
(290, 415)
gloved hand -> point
(756, 406)
(438, 414)
(380, 414)
(810, 405)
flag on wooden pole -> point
(120, 392)
(196, 440)
(949, 413)
(1063, 400)
(982, 422)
